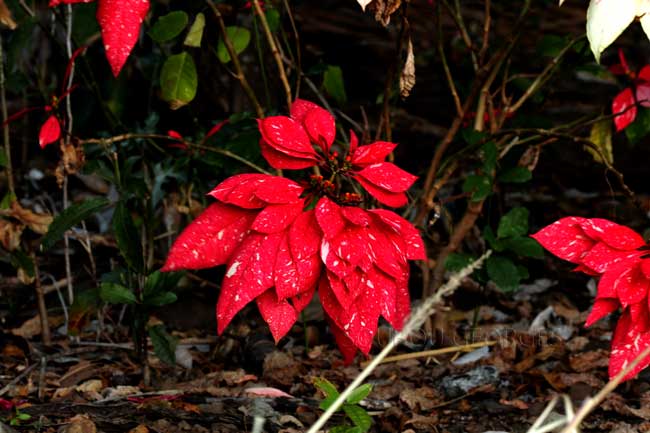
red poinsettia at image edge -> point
(281, 241)
(621, 258)
(120, 21)
(626, 101)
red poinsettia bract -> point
(620, 257)
(626, 101)
(120, 21)
(281, 240)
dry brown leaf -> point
(383, 9)
(421, 399)
(72, 160)
(10, 234)
(588, 361)
(407, 78)
(24, 277)
(37, 222)
(139, 429)
(5, 16)
(79, 424)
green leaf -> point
(515, 175)
(345, 429)
(334, 85)
(359, 394)
(273, 18)
(359, 416)
(178, 80)
(640, 127)
(195, 35)
(328, 389)
(116, 294)
(490, 155)
(168, 26)
(490, 237)
(20, 260)
(160, 299)
(6, 201)
(3, 159)
(525, 247)
(127, 237)
(164, 345)
(240, 37)
(479, 185)
(503, 273)
(457, 261)
(472, 136)
(514, 223)
(70, 217)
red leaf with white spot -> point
(354, 143)
(614, 235)
(388, 176)
(120, 21)
(305, 236)
(50, 131)
(278, 314)
(329, 217)
(276, 217)
(373, 153)
(294, 276)
(565, 239)
(631, 285)
(210, 239)
(345, 345)
(601, 257)
(248, 275)
(392, 199)
(628, 342)
(321, 127)
(624, 104)
(286, 136)
(414, 247)
(252, 191)
(355, 215)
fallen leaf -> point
(38, 223)
(79, 424)
(10, 234)
(5, 16)
(407, 78)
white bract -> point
(607, 19)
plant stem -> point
(5, 129)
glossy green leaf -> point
(273, 18)
(479, 185)
(493, 242)
(524, 246)
(164, 345)
(640, 127)
(457, 261)
(328, 389)
(359, 416)
(334, 85)
(515, 175)
(178, 80)
(160, 299)
(514, 223)
(169, 26)
(240, 38)
(116, 294)
(195, 35)
(70, 217)
(359, 394)
(490, 155)
(127, 237)
(503, 272)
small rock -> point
(460, 384)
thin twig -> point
(296, 35)
(415, 321)
(17, 379)
(68, 107)
(5, 130)
(274, 51)
(434, 352)
(42, 308)
(235, 61)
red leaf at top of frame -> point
(624, 104)
(248, 275)
(566, 239)
(321, 127)
(210, 239)
(252, 191)
(628, 341)
(373, 153)
(120, 21)
(50, 131)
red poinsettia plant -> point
(282, 240)
(621, 258)
(626, 101)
